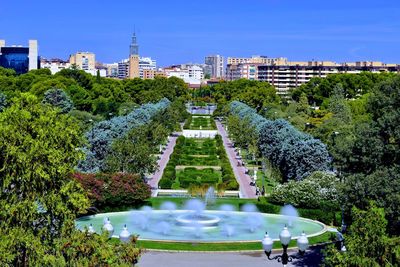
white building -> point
(54, 65)
(146, 63)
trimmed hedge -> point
(326, 214)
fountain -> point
(194, 223)
(210, 196)
(291, 213)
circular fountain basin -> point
(163, 225)
(194, 220)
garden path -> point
(246, 190)
(162, 162)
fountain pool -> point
(209, 226)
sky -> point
(183, 31)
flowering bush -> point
(319, 187)
(114, 190)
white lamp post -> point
(125, 236)
(285, 236)
(108, 227)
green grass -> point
(234, 246)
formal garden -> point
(199, 163)
(77, 149)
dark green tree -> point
(59, 99)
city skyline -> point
(174, 33)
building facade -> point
(285, 75)
(21, 59)
(83, 61)
(215, 66)
(54, 65)
(123, 69)
(146, 63)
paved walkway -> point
(229, 259)
(243, 179)
(162, 162)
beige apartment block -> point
(83, 60)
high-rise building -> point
(21, 59)
(123, 69)
(215, 66)
(134, 58)
(83, 61)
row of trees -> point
(104, 133)
(98, 96)
(296, 154)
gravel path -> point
(153, 182)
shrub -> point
(165, 183)
(232, 185)
(327, 214)
(308, 193)
(116, 189)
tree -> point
(132, 153)
(367, 243)
(59, 99)
(337, 105)
(381, 186)
(39, 200)
(3, 102)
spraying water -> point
(291, 213)
(196, 206)
(210, 196)
(227, 209)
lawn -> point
(234, 246)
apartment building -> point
(215, 66)
(285, 75)
(83, 60)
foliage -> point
(104, 133)
(296, 154)
(39, 200)
(367, 243)
(59, 99)
(114, 189)
(326, 212)
(317, 188)
(133, 153)
(85, 249)
(318, 89)
(3, 101)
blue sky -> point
(180, 31)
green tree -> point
(39, 200)
(3, 101)
(59, 99)
(133, 153)
(367, 243)
(39, 203)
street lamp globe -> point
(302, 242)
(285, 236)
(267, 243)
